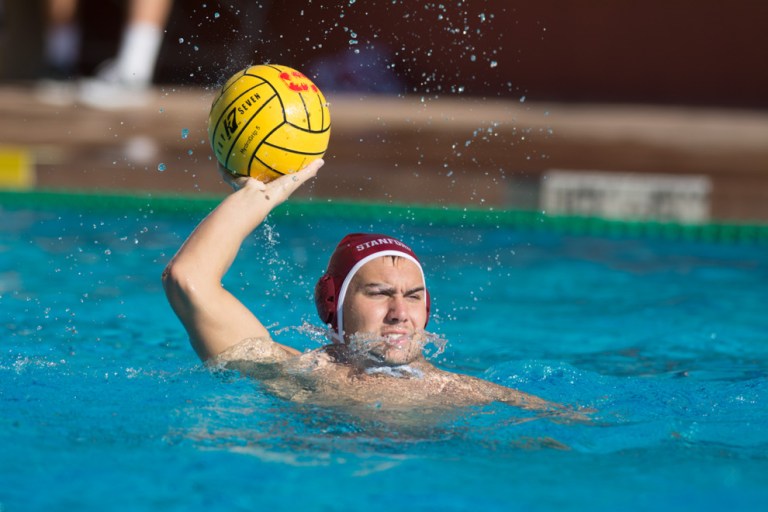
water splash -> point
(320, 335)
(365, 347)
(434, 345)
(362, 345)
(401, 371)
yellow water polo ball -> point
(268, 121)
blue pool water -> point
(105, 406)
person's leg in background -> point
(62, 39)
(124, 82)
(61, 53)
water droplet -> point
(216, 15)
(181, 40)
(494, 63)
(184, 133)
(161, 167)
(522, 99)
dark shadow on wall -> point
(688, 52)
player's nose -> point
(397, 311)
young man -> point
(373, 295)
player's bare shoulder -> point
(284, 372)
(255, 350)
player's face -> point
(385, 308)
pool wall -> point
(446, 151)
(722, 232)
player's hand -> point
(281, 187)
(233, 180)
(278, 189)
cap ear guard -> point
(325, 300)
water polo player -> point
(373, 295)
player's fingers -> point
(314, 166)
(310, 171)
(290, 182)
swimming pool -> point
(105, 406)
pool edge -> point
(178, 204)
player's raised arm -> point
(214, 319)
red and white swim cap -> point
(354, 251)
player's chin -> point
(396, 356)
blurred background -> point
(622, 109)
